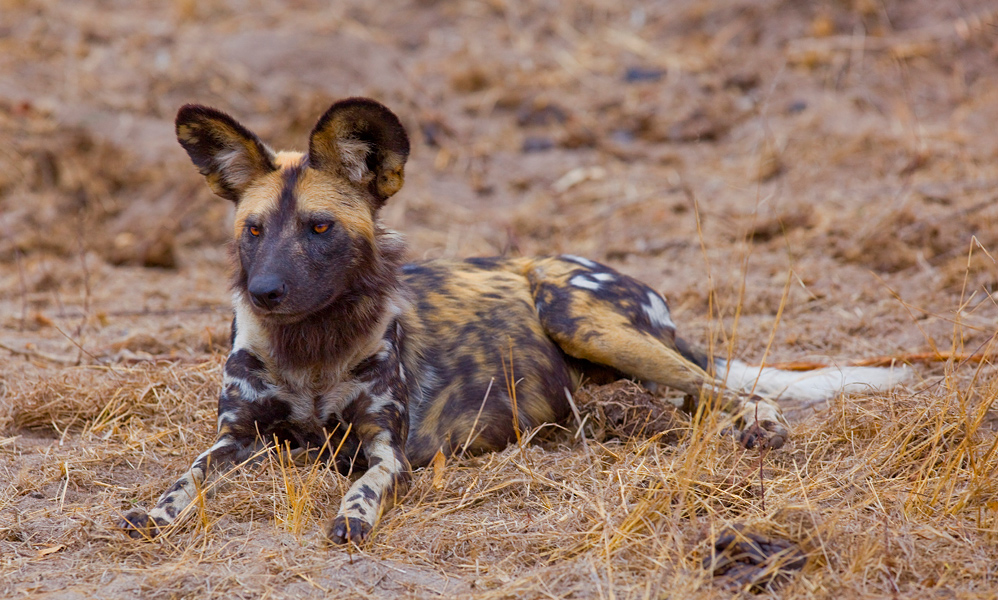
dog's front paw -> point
(347, 529)
(138, 525)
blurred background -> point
(717, 149)
(816, 174)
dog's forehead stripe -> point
(267, 195)
(287, 202)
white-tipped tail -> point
(802, 389)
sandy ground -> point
(803, 181)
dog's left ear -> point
(363, 141)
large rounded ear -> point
(226, 153)
(363, 141)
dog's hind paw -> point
(764, 435)
(138, 525)
(763, 425)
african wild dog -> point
(336, 342)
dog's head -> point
(306, 224)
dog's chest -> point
(309, 397)
(316, 400)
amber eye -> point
(254, 230)
(320, 227)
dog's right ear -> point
(228, 155)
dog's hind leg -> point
(599, 315)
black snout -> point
(267, 291)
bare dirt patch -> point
(836, 159)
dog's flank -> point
(336, 344)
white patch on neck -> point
(250, 334)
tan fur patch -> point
(260, 198)
(321, 192)
(287, 159)
(604, 336)
(393, 175)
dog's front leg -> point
(376, 491)
(246, 398)
(380, 418)
(225, 452)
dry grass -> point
(889, 494)
(806, 183)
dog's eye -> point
(254, 230)
(320, 227)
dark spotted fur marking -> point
(337, 345)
